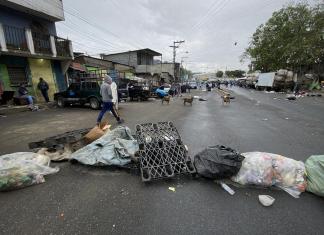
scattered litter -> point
(62, 215)
(315, 174)
(3, 116)
(96, 132)
(22, 169)
(287, 118)
(268, 169)
(291, 97)
(124, 192)
(172, 189)
(57, 155)
(265, 119)
(266, 200)
(227, 188)
(202, 99)
(218, 162)
(196, 97)
(116, 147)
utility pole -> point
(176, 45)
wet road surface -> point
(88, 200)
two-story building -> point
(29, 46)
(145, 65)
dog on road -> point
(226, 99)
(166, 99)
(188, 100)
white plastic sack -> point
(268, 169)
(256, 169)
(21, 169)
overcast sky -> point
(210, 28)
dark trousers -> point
(45, 95)
(107, 106)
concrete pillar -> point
(3, 44)
(53, 47)
(71, 49)
(30, 42)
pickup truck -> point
(80, 93)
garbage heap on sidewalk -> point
(156, 152)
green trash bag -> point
(315, 174)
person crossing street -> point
(107, 103)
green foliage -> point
(219, 74)
(292, 37)
(185, 72)
(235, 73)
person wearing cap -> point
(107, 97)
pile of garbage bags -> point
(315, 174)
(218, 162)
(268, 169)
(22, 169)
(116, 147)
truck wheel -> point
(94, 103)
(60, 102)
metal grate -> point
(162, 153)
(15, 38)
(42, 43)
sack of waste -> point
(315, 174)
(22, 169)
(256, 169)
(268, 169)
(116, 147)
(218, 162)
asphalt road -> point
(89, 200)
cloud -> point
(210, 28)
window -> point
(17, 75)
(74, 87)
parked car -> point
(192, 85)
(162, 91)
(85, 92)
(138, 91)
(80, 93)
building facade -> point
(145, 65)
(29, 46)
(88, 67)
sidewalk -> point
(12, 109)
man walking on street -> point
(107, 104)
(114, 91)
(43, 87)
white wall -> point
(49, 9)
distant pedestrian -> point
(43, 87)
(107, 97)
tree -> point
(219, 74)
(292, 37)
(235, 73)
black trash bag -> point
(218, 162)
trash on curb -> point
(22, 169)
(116, 147)
(196, 97)
(218, 162)
(227, 188)
(315, 174)
(266, 200)
(268, 169)
(165, 155)
(172, 189)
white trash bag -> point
(268, 169)
(22, 169)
